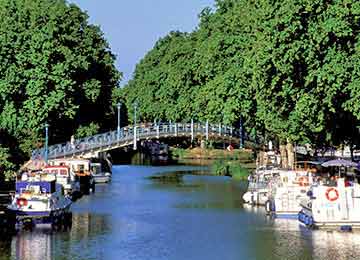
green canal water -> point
(194, 217)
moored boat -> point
(258, 188)
(40, 200)
(333, 204)
(64, 177)
(80, 168)
(334, 200)
(99, 175)
(287, 191)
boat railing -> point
(258, 185)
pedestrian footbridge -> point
(131, 135)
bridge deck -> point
(127, 135)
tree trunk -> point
(290, 155)
(260, 159)
(283, 156)
(352, 152)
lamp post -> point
(135, 138)
(46, 143)
(118, 120)
(241, 132)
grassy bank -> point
(236, 163)
(230, 168)
(198, 153)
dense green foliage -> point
(88, 130)
(7, 168)
(289, 67)
(229, 168)
(54, 67)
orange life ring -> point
(332, 194)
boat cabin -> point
(35, 187)
(80, 167)
(96, 168)
(61, 171)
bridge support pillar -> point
(135, 139)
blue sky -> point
(133, 26)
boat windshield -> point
(34, 189)
(96, 168)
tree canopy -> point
(289, 68)
(55, 67)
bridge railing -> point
(126, 135)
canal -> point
(192, 217)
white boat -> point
(287, 191)
(334, 204)
(258, 188)
(80, 168)
(64, 177)
(40, 200)
(98, 174)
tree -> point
(303, 69)
(163, 79)
(55, 67)
(289, 68)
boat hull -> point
(42, 217)
(101, 179)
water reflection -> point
(45, 243)
(199, 190)
(291, 240)
(254, 209)
(335, 245)
(32, 245)
(200, 217)
(5, 247)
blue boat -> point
(40, 200)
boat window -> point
(54, 171)
(331, 181)
(34, 189)
(81, 168)
(63, 172)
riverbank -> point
(237, 163)
(197, 153)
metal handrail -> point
(126, 136)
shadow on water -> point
(200, 189)
(45, 243)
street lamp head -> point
(119, 105)
(136, 104)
